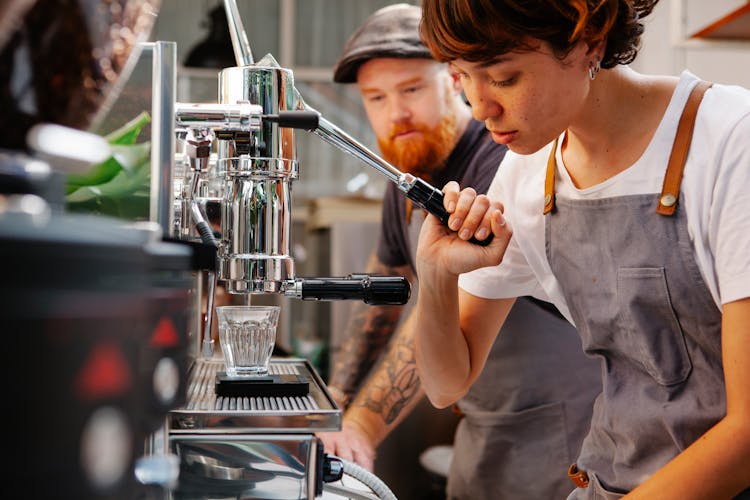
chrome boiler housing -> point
(256, 217)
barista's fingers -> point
(464, 205)
(450, 196)
(499, 224)
(475, 216)
(493, 218)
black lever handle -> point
(301, 119)
(431, 199)
(373, 290)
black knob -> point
(373, 290)
(302, 119)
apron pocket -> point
(650, 332)
(594, 491)
(600, 492)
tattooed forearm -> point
(367, 336)
(369, 332)
(395, 383)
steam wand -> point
(198, 148)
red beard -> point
(423, 154)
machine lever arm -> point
(424, 194)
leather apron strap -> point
(549, 181)
(673, 177)
(670, 191)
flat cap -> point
(392, 31)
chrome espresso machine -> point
(253, 440)
(242, 438)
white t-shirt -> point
(715, 186)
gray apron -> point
(638, 298)
(526, 415)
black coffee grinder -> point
(95, 310)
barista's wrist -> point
(368, 424)
(341, 397)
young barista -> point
(638, 234)
(525, 417)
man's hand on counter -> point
(352, 443)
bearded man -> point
(522, 422)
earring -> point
(594, 69)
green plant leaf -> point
(120, 186)
(100, 173)
(128, 133)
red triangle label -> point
(104, 373)
(165, 334)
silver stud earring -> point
(594, 68)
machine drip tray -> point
(273, 384)
(297, 402)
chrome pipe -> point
(240, 116)
(207, 346)
(343, 141)
(334, 135)
(242, 52)
(163, 90)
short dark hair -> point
(480, 30)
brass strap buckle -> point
(579, 477)
(456, 410)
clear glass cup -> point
(247, 335)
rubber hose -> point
(369, 479)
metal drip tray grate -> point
(205, 412)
